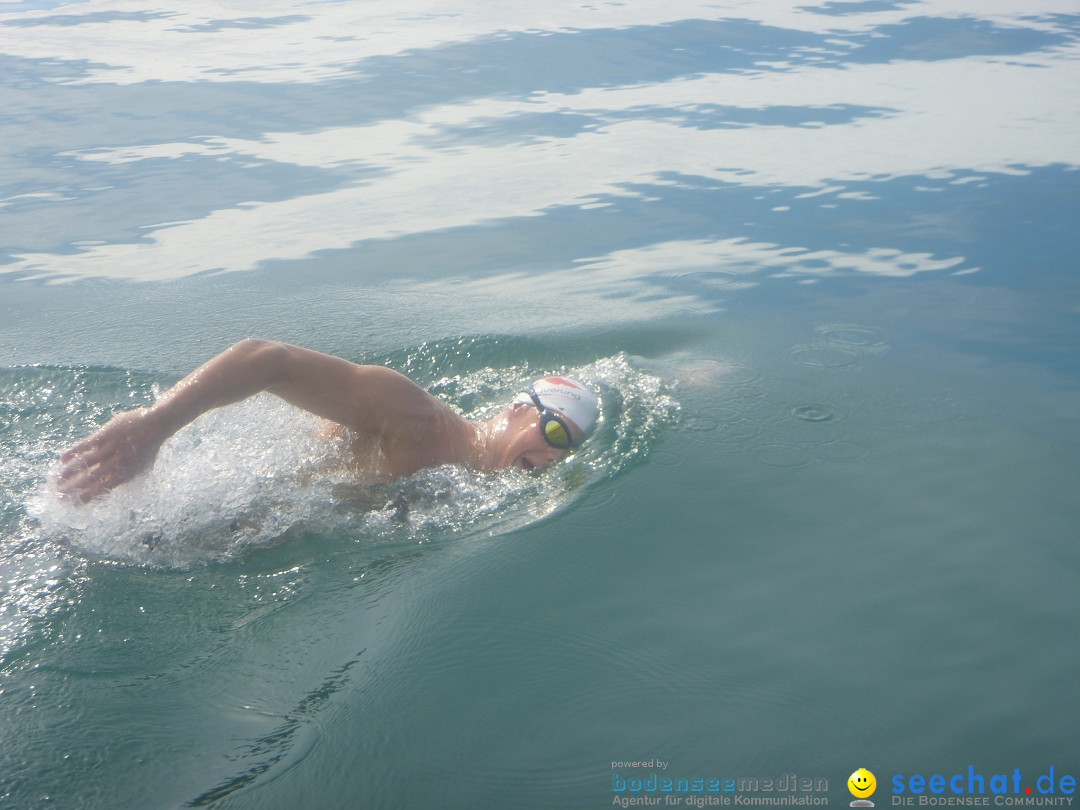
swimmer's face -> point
(861, 783)
(526, 448)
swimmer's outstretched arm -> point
(371, 399)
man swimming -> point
(396, 427)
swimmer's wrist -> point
(164, 418)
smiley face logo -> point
(861, 783)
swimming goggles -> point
(552, 426)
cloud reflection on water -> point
(821, 116)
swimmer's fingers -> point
(80, 458)
(77, 483)
(88, 450)
(79, 447)
(107, 458)
(88, 461)
(84, 482)
(86, 487)
(86, 475)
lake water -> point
(818, 257)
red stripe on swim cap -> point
(562, 381)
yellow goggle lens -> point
(555, 434)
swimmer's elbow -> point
(251, 346)
(265, 358)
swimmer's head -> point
(543, 423)
(565, 398)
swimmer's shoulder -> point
(386, 388)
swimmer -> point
(396, 427)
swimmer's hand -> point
(116, 453)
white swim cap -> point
(567, 397)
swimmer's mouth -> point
(528, 466)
